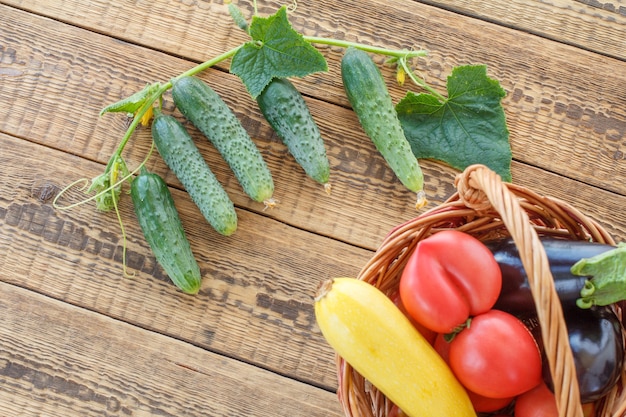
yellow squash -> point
(368, 331)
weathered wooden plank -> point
(260, 297)
(256, 301)
(565, 106)
(60, 62)
(603, 206)
(56, 92)
(597, 26)
(50, 110)
(561, 106)
(58, 359)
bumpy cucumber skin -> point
(203, 107)
(164, 232)
(184, 159)
(286, 111)
(370, 100)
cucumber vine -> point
(276, 50)
(139, 105)
(108, 188)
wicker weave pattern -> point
(487, 208)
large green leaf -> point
(469, 127)
(276, 50)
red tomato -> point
(488, 405)
(450, 277)
(538, 402)
(496, 356)
(481, 404)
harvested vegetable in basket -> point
(442, 292)
(516, 297)
(582, 381)
(608, 284)
(364, 326)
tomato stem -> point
(448, 337)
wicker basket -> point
(486, 207)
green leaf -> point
(608, 282)
(276, 51)
(469, 127)
(133, 102)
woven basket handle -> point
(482, 189)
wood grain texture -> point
(594, 25)
(78, 338)
(258, 284)
(51, 86)
(565, 106)
(51, 118)
(62, 360)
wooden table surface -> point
(78, 338)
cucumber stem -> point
(159, 93)
(133, 125)
(397, 53)
(421, 200)
(402, 62)
(402, 56)
(270, 203)
(205, 65)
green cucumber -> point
(370, 100)
(163, 230)
(203, 107)
(184, 159)
(286, 111)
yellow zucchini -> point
(366, 329)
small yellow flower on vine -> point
(400, 75)
(145, 119)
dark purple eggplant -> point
(515, 296)
(595, 337)
(595, 334)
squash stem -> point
(323, 289)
